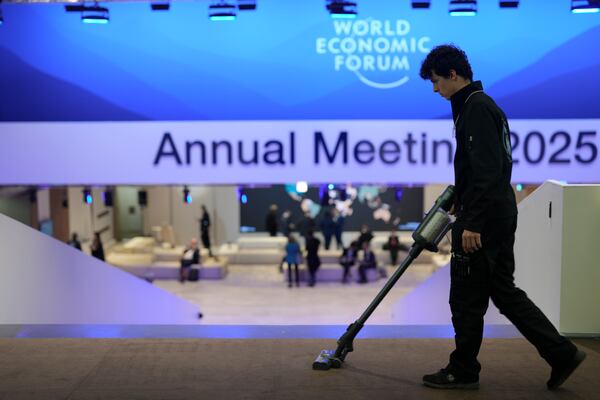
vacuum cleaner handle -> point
(427, 236)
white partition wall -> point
(166, 206)
(85, 219)
(538, 248)
(556, 257)
(44, 281)
(556, 254)
(580, 287)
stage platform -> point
(142, 257)
(250, 249)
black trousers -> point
(312, 273)
(346, 267)
(394, 257)
(327, 236)
(206, 241)
(489, 273)
(296, 273)
(338, 239)
(362, 271)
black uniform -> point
(271, 223)
(485, 203)
(313, 261)
(205, 232)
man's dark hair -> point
(444, 58)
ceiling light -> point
(244, 5)
(585, 6)
(160, 6)
(341, 8)
(90, 14)
(302, 187)
(222, 11)
(187, 196)
(421, 4)
(87, 196)
(463, 8)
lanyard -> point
(458, 116)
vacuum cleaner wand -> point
(428, 234)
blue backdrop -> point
(289, 60)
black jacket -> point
(483, 161)
(348, 256)
(271, 222)
(312, 252)
(204, 223)
(195, 257)
(368, 259)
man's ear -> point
(453, 75)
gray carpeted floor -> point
(271, 369)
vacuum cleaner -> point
(427, 236)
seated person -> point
(348, 259)
(365, 236)
(394, 245)
(367, 261)
(191, 256)
(74, 242)
(97, 248)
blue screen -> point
(290, 61)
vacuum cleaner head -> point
(327, 360)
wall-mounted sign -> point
(226, 152)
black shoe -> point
(443, 379)
(559, 375)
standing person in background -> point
(312, 257)
(271, 220)
(483, 235)
(327, 226)
(348, 259)
(338, 223)
(393, 245)
(367, 261)
(287, 223)
(287, 227)
(205, 230)
(96, 247)
(365, 236)
(292, 256)
(74, 242)
(306, 224)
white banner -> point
(246, 152)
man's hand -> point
(471, 241)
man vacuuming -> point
(483, 234)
